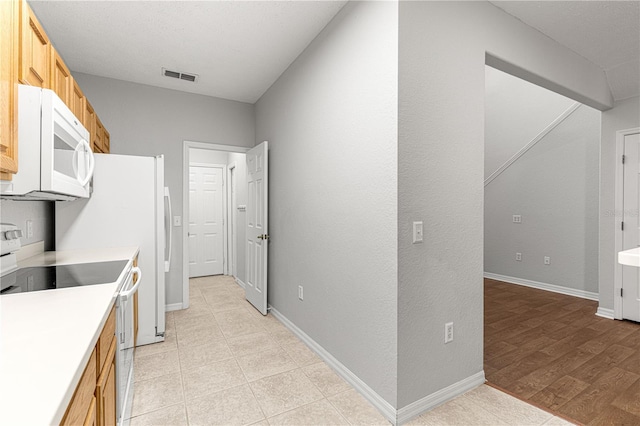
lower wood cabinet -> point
(94, 401)
(81, 402)
(91, 416)
(106, 390)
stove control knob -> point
(13, 235)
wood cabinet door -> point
(90, 123)
(99, 143)
(106, 390)
(106, 141)
(60, 79)
(81, 402)
(77, 101)
(91, 419)
(9, 16)
(34, 53)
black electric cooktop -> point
(61, 276)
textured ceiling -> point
(237, 48)
(606, 33)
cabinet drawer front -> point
(104, 343)
(81, 402)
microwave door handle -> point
(76, 160)
(92, 163)
(167, 262)
(126, 294)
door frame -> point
(186, 146)
(232, 257)
(224, 210)
(618, 216)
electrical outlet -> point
(417, 232)
(519, 257)
(448, 332)
(177, 221)
(517, 218)
(300, 293)
(29, 226)
(547, 260)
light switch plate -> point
(177, 221)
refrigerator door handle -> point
(167, 262)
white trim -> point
(618, 217)
(232, 218)
(240, 282)
(186, 145)
(386, 409)
(429, 402)
(544, 286)
(532, 143)
(605, 313)
(174, 307)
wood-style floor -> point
(552, 351)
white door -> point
(206, 221)
(257, 230)
(631, 230)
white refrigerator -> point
(129, 206)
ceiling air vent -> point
(180, 75)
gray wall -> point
(516, 111)
(442, 55)
(331, 123)
(624, 115)
(554, 186)
(40, 212)
(145, 120)
(207, 156)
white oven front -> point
(125, 346)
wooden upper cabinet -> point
(77, 102)
(9, 16)
(106, 141)
(90, 123)
(99, 135)
(60, 80)
(34, 54)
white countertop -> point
(629, 257)
(47, 337)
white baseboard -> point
(429, 402)
(386, 409)
(173, 307)
(605, 313)
(544, 286)
(240, 282)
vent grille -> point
(180, 75)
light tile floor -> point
(223, 363)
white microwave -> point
(55, 161)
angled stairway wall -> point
(551, 181)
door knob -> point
(263, 237)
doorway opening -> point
(543, 340)
(214, 203)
